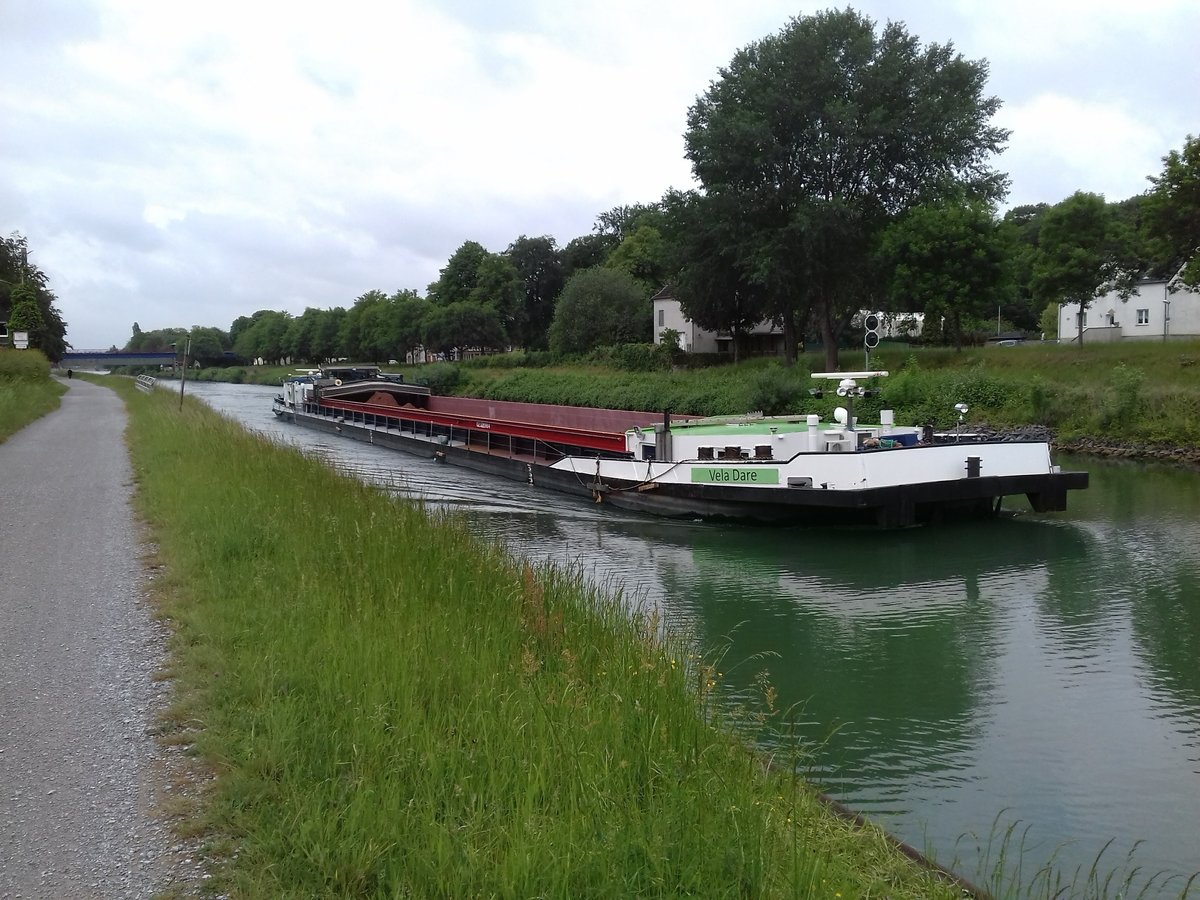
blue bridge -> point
(104, 359)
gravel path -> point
(79, 772)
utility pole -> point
(183, 371)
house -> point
(765, 338)
(1152, 312)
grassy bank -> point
(27, 392)
(1137, 392)
(393, 709)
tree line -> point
(26, 302)
(841, 166)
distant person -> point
(70, 374)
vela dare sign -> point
(748, 475)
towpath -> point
(80, 773)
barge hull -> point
(895, 506)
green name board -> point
(735, 475)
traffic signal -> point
(871, 333)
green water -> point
(1038, 673)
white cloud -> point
(181, 164)
(1082, 146)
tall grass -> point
(1135, 392)
(392, 708)
(1003, 869)
(27, 391)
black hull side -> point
(891, 507)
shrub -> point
(440, 378)
(776, 391)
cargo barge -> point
(770, 469)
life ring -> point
(337, 382)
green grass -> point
(1127, 393)
(392, 708)
(27, 392)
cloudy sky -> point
(179, 164)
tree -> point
(599, 307)
(208, 345)
(820, 135)
(586, 252)
(949, 260)
(498, 287)
(326, 342)
(24, 283)
(1079, 254)
(411, 312)
(540, 268)
(262, 336)
(643, 254)
(460, 275)
(26, 314)
(1023, 225)
(1172, 211)
(355, 338)
(298, 341)
(620, 222)
(462, 326)
(712, 289)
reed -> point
(27, 392)
(392, 708)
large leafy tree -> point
(598, 307)
(586, 252)
(498, 287)
(262, 336)
(1081, 254)
(460, 276)
(462, 326)
(1023, 225)
(26, 301)
(208, 345)
(643, 254)
(950, 260)
(158, 341)
(1172, 211)
(818, 136)
(540, 268)
(712, 289)
(360, 336)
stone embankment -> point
(1103, 447)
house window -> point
(1143, 317)
(662, 318)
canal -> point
(1026, 687)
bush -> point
(633, 357)
(440, 377)
(31, 364)
(776, 391)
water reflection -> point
(1043, 669)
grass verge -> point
(391, 708)
(27, 392)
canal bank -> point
(397, 706)
(1031, 680)
(79, 656)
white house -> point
(764, 339)
(1151, 312)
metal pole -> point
(183, 372)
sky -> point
(177, 164)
